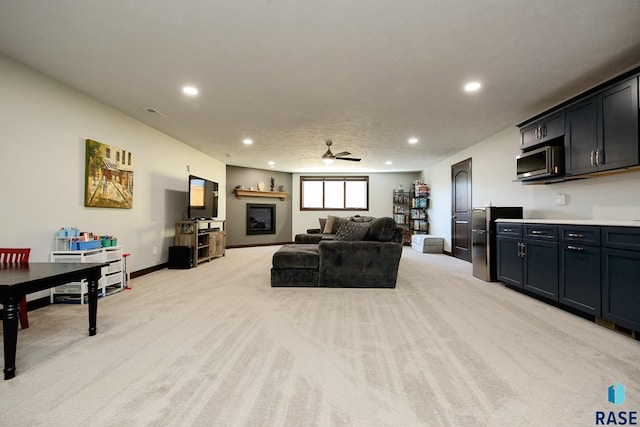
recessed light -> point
(190, 90)
(247, 141)
(472, 86)
(413, 140)
(271, 163)
(388, 162)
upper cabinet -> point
(602, 131)
(542, 131)
(599, 129)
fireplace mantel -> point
(257, 193)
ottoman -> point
(295, 265)
(427, 244)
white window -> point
(334, 193)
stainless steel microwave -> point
(542, 162)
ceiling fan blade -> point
(352, 159)
(343, 153)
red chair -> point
(21, 256)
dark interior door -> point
(461, 210)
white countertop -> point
(604, 222)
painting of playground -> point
(109, 176)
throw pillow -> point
(352, 231)
(339, 222)
(382, 229)
(360, 218)
(328, 226)
(322, 221)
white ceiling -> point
(291, 73)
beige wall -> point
(44, 128)
(493, 172)
(237, 209)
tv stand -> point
(206, 240)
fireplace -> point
(261, 219)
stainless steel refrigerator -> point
(483, 238)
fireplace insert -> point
(261, 219)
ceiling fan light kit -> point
(328, 157)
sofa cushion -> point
(328, 225)
(339, 222)
(352, 231)
(382, 230)
(360, 218)
(296, 256)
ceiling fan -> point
(328, 157)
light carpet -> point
(217, 346)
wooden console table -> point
(17, 280)
(257, 193)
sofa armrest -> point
(308, 238)
(359, 264)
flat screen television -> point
(203, 198)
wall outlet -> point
(561, 199)
(155, 250)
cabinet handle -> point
(575, 248)
(599, 161)
(577, 235)
(544, 131)
(537, 233)
(593, 158)
(508, 230)
(523, 252)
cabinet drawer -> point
(114, 254)
(541, 231)
(580, 234)
(621, 238)
(113, 279)
(114, 267)
(509, 229)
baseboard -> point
(148, 270)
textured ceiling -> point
(290, 74)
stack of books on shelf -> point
(421, 189)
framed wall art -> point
(108, 176)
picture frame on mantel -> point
(108, 176)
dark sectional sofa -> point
(363, 252)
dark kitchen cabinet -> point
(529, 262)
(601, 132)
(579, 280)
(543, 130)
(621, 276)
(508, 254)
(581, 137)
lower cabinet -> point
(509, 262)
(529, 262)
(593, 269)
(541, 268)
(580, 278)
(580, 268)
(621, 276)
